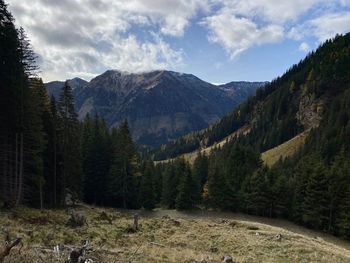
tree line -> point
(45, 151)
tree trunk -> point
(41, 195)
(54, 170)
(15, 185)
(20, 179)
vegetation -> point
(48, 155)
(165, 236)
(309, 184)
(273, 112)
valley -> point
(143, 163)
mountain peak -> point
(160, 105)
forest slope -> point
(284, 108)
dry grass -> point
(284, 150)
(191, 157)
(162, 239)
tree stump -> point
(78, 255)
(136, 222)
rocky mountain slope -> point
(160, 105)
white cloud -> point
(239, 25)
(84, 37)
(304, 47)
(173, 16)
(271, 11)
(329, 25)
(323, 27)
(238, 34)
(345, 2)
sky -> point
(217, 40)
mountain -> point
(160, 105)
(285, 152)
(240, 90)
(54, 87)
(290, 105)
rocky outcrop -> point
(310, 110)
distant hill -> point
(160, 105)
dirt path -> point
(214, 215)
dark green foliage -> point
(170, 183)
(257, 192)
(313, 186)
(185, 198)
(96, 159)
(70, 143)
(124, 170)
(147, 193)
(180, 188)
(200, 175)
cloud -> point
(304, 47)
(323, 27)
(173, 16)
(237, 34)
(86, 37)
(271, 11)
(329, 25)
(238, 25)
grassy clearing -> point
(191, 157)
(162, 239)
(284, 150)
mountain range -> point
(159, 105)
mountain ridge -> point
(160, 105)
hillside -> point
(283, 153)
(284, 150)
(166, 236)
(160, 106)
(284, 108)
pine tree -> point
(257, 195)
(186, 188)
(125, 168)
(158, 182)
(200, 175)
(71, 175)
(170, 181)
(219, 191)
(315, 204)
(147, 191)
(339, 195)
(53, 157)
(96, 159)
(12, 87)
(35, 144)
